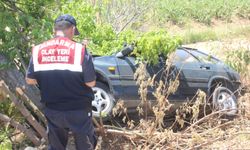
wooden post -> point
(28, 102)
(28, 132)
(27, 115)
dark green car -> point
(195, 69)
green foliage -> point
(105, 41)
(84, 13)
(155, 43)
(193, 37)
(149, 45)
(244, 10)
(239, 60)
(178, 11)
(8, 108)
(23, 24)
(171, 11)
(5, 143)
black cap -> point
(68, 18)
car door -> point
(194, 74)
(156, 71)
(127, 68)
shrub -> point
(155, 43)
(239, 60)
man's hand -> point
(91, 84)
(31, 81)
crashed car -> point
(195, 69)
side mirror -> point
(125, 52)
(119, 55)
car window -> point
(183, 56)
(203, 57)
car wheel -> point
(103, 101)
(224, 99)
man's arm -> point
(88, 70)
(30, 77)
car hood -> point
(104, 60)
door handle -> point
(204, 67)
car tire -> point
(103, 101)
(223, 98)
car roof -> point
(187, 48)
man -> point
(65, 73)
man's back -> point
(58, 69)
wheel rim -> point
(226, 101)
(101, 102)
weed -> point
(193, 37)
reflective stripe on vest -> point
(58, 54)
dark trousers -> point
(79, 122)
